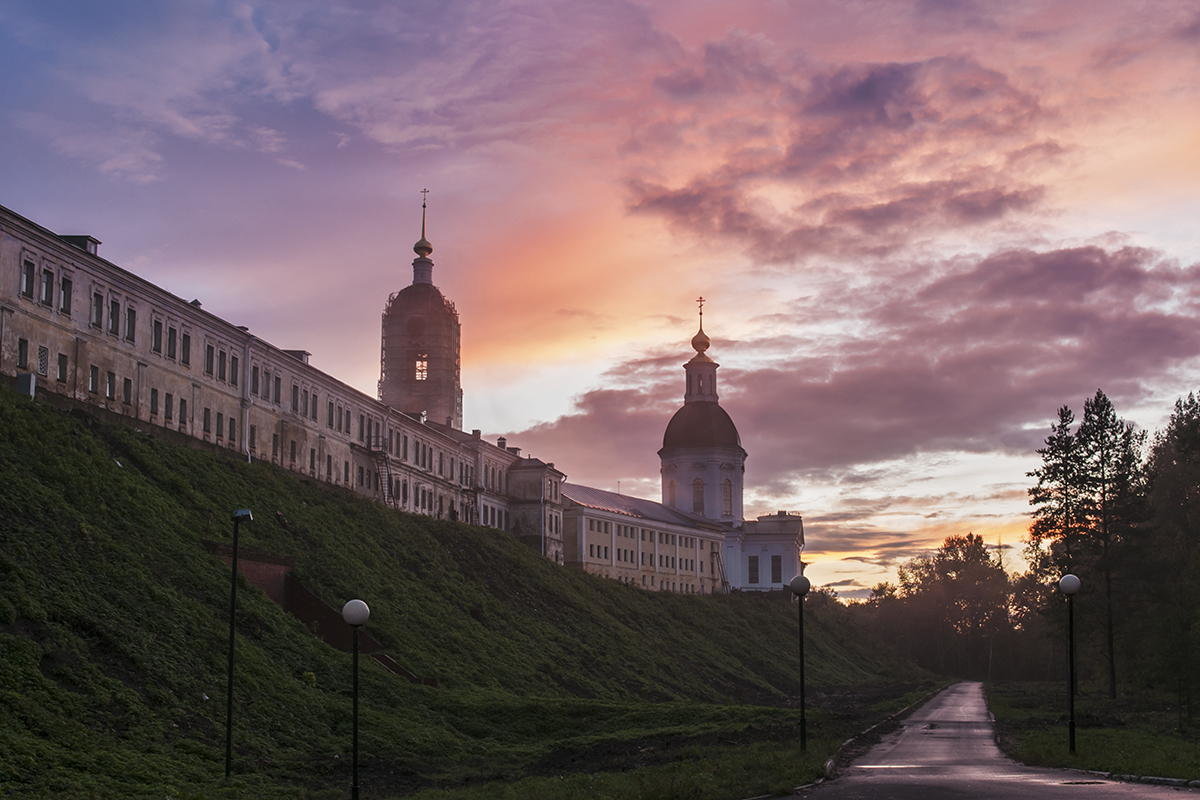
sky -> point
(921, 226)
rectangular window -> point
(274, 446)
(233, 370)
(130, 325)
(346, 472)
(752, 569)
(313, 409)
(126, 391)
(210, 354)
(776, 569)
(266, 392)
(206, 424)
(183, 415)
(278, 388)
(185, 349)
(172, 337)
(404, 448)
(254, 380)
(169, 407)
(312, 460)
(295, 399)
(27, 272)
(47, 298)
(43, 365)
(304, 403)
(421, 370)
(220, 425)
(62, 367)
(221, 365)
(64, 301)
(328, 467)
(253, 438)
(292, 451)
(360, 476)
(153, 401)
(362, 422)
(93, 379)
(156, 336)
(110, 386)
(329, 421)
(97, 319)
(114, 317)
(232, 431)
(22, 353)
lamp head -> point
(356, 613)
(800, 585)
(1069, 584)
(243, 514)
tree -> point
(964, 591)
(1060, 501)
(1109, 451)
(1167, 558)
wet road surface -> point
(945, 750)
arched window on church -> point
(698, 496)
(671, 494)
(727, 497)
(422, 369)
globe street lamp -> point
(1069, 585)
(800, 586)
(356, 613)
(238, 516)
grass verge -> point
(1136, 734)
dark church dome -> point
(701, 424)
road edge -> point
(831, 769)
(1155, 780)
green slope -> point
(112, 636)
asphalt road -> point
(945, 750)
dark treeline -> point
(1117, 509)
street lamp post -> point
(800, 586)
(238, 516)
(1069, 585)
(356, 613)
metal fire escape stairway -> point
(384, 468)
(717, 565)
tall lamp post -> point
(356, 613)
(1069, 585)
(800, 586)
(238, 516)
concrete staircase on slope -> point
(274, 576)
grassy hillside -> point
(112, 637)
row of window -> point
(698, 496)
(664, 586)
(626, 556)
(631, 532)
(42, 290)
(776, 569)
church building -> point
(75, 325)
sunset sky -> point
(920, 226)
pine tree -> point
(1060, 500)
(1110, 450)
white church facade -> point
(77, 326)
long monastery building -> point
(77, 325)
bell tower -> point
(703, 463)
(420, 356)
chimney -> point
(195, 302)
(476, 433)
(299, 355)
(516, 451)
(88, 244)
(502, 443)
